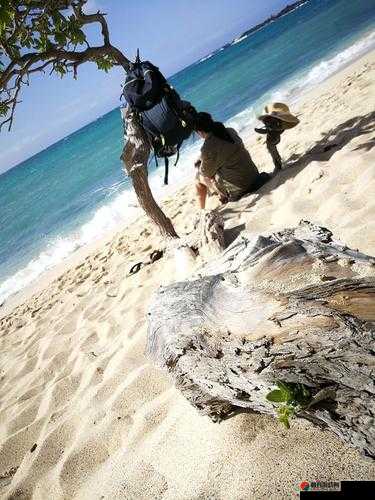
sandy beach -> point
(84, 414)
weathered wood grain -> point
(295, 306)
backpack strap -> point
(166, 170)
(178, 153)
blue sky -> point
(170, 33)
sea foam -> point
(293, 89)
(326, 68)
(122, 209)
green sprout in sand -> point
(289, 398)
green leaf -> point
(290, 398)
(77, 36)
(276, 396)
(4, 108)
(60, 69)
(286, 389)
(104, 63)
(6, 17)
(305, 392)
(60, 38)
(6, 11)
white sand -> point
(107, 423)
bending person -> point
(225, 166)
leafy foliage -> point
(36, 35)
(289, 398)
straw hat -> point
(281, 111)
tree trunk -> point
(135, 156)
(295, 307)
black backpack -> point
(166, 119)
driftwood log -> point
(211, 234)
(207, 239)
(295, 306)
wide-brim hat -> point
(282, 112)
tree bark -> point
(296, 307)
(135, 157)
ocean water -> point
(75, 191)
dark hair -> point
(273, 123)
(204, 123)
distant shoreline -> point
(283, 12)
(286, 10)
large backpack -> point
(166, 119)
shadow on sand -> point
(323, 150)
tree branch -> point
(94, 18)
(41, 22)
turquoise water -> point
(74, 192)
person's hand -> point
(261, 130)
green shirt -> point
(229, 163)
